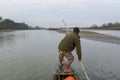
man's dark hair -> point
(76, 30)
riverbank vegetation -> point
(108, 26)
(10, 24)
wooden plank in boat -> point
(65, 73)
(60, 71)
(60, 75)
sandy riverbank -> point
(96, 36)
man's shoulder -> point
(71, 35)
(74, 35)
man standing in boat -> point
(67, 45)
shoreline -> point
(95, 36)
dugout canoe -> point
(60, 75)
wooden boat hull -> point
(60, 75)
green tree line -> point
(10, 24)
(108, 26)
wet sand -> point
(96, 36)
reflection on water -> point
(32, 55)
(9, 37)
(6, 37)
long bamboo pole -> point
(65, 26)
(83, 68)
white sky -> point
(49, 13)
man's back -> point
(69, 42)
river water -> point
(32, 55)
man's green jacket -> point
(69, 42)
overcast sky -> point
(50, 13)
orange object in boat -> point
(69, 78)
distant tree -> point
(117, 24)
(94, 26)
(7, 23)
(1, 19)
(110, 25)
(37, 27)
(103, 25)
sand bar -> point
(95, 36)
